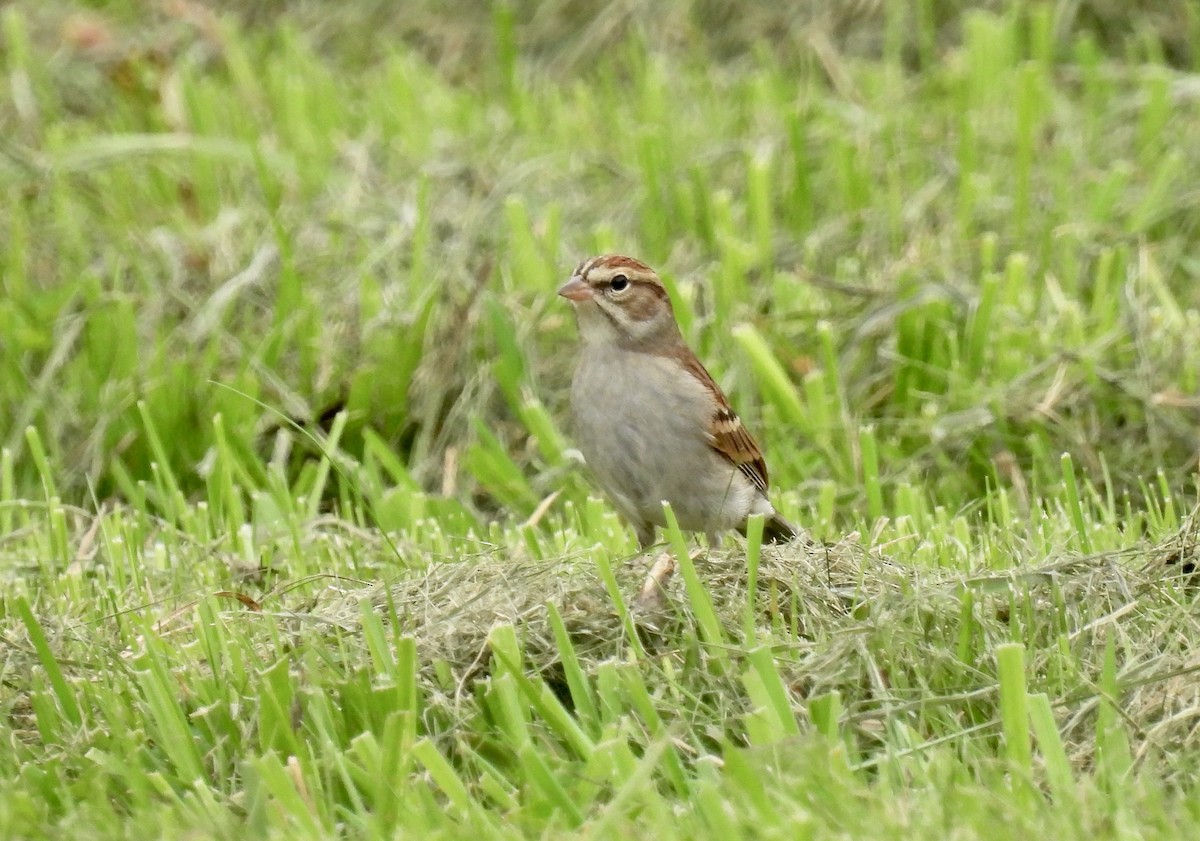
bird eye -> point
(618, 283)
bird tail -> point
(777, 530)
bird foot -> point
(653, 595)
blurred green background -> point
(927, 246)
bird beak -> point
(576, 290)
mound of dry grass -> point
(901, 646)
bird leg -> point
(652, 597)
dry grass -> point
(898, 643)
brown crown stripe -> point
(613, 261)
(618, 261)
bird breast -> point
(641, 422)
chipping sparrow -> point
(650, 421)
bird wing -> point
(726, 433)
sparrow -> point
(651, 422)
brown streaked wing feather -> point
(726, 433)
